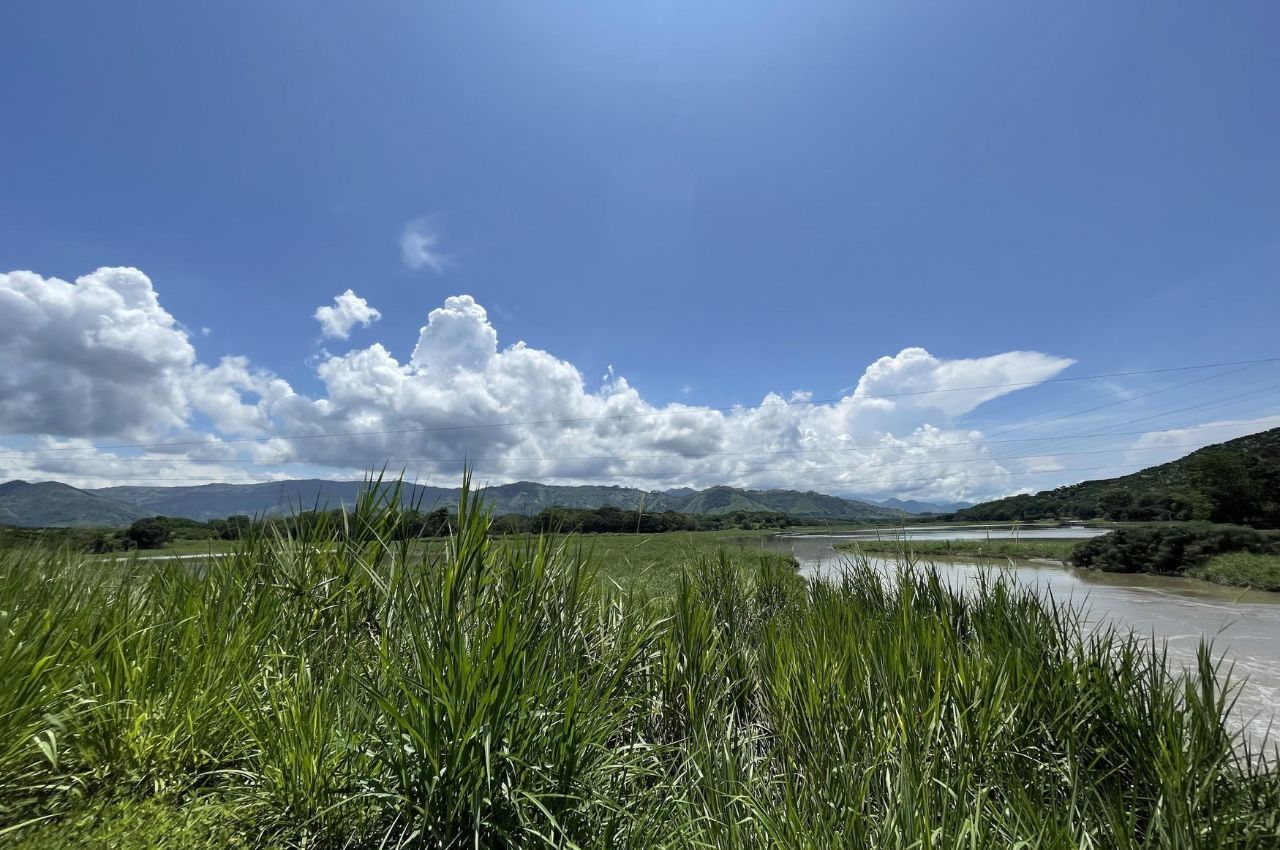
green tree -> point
(1227, 482)
(1114, 502)
(150, 533)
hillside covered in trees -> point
(1233, 482)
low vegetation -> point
(1058, 550)
(1241, 569)
(339, 687)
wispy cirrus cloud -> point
(420, 246)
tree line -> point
(159, 531)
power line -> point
(1250, 394)
(1128, 400)
(654, 413)
(1070, 439)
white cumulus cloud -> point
(457, 337)
(348, 310)
(100, 358)
(97, 356)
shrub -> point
(1166, 549)
(150, 533)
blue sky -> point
(719, 200)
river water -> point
(1243, 626)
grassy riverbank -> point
(1058, 550)
(1241, 569)
(357, 693)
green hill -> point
(719, 500)
(527, 497)
(808, 505)
(51, 504)
(215, 501)
(1233, 482)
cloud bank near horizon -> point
(99, 360)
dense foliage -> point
(1233, 482)
(1169, 549)
(339, 688)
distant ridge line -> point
(57, 504)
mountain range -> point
(913, 506)
(53, 504)
(1238, 480)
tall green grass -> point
(343, 689)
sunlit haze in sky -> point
(928, 250)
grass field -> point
(351, 691)
(1058, 550)
(655, 563)
(649, 562)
